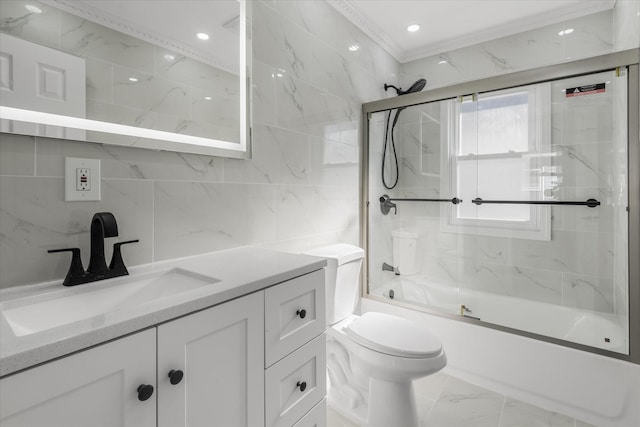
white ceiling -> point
(451, 24)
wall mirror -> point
(165, 75)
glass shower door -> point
(537, 240)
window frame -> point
(538, 227)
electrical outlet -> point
(81, 179)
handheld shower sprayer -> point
(417, 86)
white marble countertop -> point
(239, 272)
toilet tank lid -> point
(340, 252)
(393, 335)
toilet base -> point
(391, 404)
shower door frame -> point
(629, 59)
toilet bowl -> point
(373, 359)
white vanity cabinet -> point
(95, 387)
(254, 361)
(219, 351)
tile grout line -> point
(35, 156)
(504, 401)
(437, 399)
(153, 219)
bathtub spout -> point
(387, 267)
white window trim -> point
(539, 226)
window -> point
(497, 149)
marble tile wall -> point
(299, 190)
(584, 264)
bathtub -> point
(590, 328)
(594, 388)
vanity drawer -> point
(317, 417)
(294, 314)
(294, 385)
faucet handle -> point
(76, 269)
(117, 266)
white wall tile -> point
(124, 162)
(191, 218)
(278, 44)
(17, 153)
(279, 156)
(35, 218)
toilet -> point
(373, 359)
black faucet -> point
(103, 225)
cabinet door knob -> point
(302, 385)
(145, 391)
(175, 376)
(302, 313)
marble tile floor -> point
(446, 401)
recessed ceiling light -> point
(354, 47)
(208, 98)
(33, 9)
(169, 57)
(565, 32)
(133, 79)
(413, 28)
(443, 61)
(202, 36)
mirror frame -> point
(162, 140)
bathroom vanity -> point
(240, 342)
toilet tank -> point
(342, 278)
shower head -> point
(416, 87)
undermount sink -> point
(100, 298)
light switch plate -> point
(81, 179)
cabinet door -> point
(221, 354)
(96, 387)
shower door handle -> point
(592, 203)
(386, 202)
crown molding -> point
(85, 10)
(512, 28)
(353, 14)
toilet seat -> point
(393, 335)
